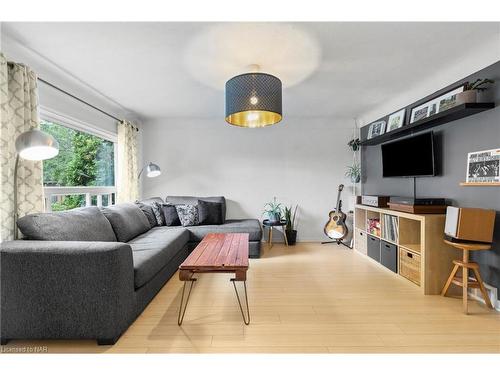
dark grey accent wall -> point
(454, 141)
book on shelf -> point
(390, 228)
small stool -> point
(465, 281)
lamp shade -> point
(35, 144)
(253, 100)
(153, 170)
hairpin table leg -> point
(182, 310)
(246, 319)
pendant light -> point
(253, 100)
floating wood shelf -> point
(480, 184)
(456, 113)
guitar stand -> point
(338, 243)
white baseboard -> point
(492, 293)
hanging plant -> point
(354, 144)
(354, 173)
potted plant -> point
(290, 231)
(469, 95)
(354, 173)
(273, 211)
(354, 144)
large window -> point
(82, 174)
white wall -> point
(299, 161)
(59, 102)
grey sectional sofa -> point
(88, 273)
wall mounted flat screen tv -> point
(409, 157)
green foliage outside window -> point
(83, 160)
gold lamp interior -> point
(254, 119)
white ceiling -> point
(333, 69)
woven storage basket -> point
(409, 265)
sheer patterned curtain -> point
(18, 113)
(128, 184)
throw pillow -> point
(170, 215)
(188, 214)
(148, 211)
(158, 211)
(127, 220)
(210, 213)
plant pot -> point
(355, 179)
(469, 96)
(274, 218)
(291, 237)
(354, 144)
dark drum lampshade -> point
(253, 100)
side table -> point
(270, 225)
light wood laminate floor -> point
(308, 298)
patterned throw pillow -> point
(188, 214)
(158, 211)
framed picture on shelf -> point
(449, 100)
(376, 128)
(433, 109)
(483, 166)
(396, 120)
(420, 112)
(436, 105)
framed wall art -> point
(396, 120)
(483, 166)
(376, 128)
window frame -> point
(47, 114)
(75, 124)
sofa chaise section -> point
(155, 248)
(250, 226)
(196, 233)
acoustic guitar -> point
(336, 228)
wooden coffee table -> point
(217, 253)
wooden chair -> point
(465, 281)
